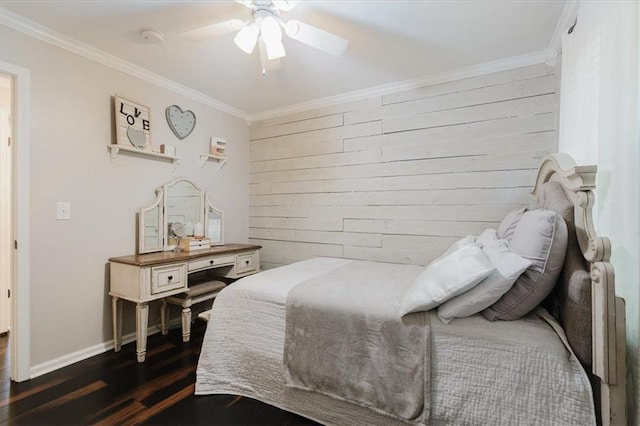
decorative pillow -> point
(469, 239)
(446, 278)
(509, 223)
(488, 236)
(541, 237)
(509, 266)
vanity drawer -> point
(169, 277)
(246, 262)
(209, 262)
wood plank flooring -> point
(113, 389)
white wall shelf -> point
(117, 149)
(221, 160)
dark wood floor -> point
(113, 389)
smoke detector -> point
(152, 36)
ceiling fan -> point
(265, 28)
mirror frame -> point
(142, 248)
(161, 200)
(209, 206)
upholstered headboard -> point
(584, 300)
(570, 301)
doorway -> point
(14, 175)
(6, 191)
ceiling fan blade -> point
(247, 3)
(285, 5)
(215, 30)
(315, 37)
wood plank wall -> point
(400, 177)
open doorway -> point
(6, 217)
(14, 181)
(6, 191)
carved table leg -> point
(142, 319)
(164, 310)
(186, 324)
(116, 305)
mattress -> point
(498, 373)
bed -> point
(563, 363)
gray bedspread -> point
(344, 338)
(501, 373)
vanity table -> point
(142, 278)
(181, 215)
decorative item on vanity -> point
(178, 202)
(180, 122)
(133, 125)
(194, 243)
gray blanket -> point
(345, 339)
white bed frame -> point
(608, 311)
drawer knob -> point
(211, 262)
(170, 277)
(246, 262)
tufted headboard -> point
(584, 299)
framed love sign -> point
(133, 123)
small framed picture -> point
(133, 123)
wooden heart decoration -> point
(180, 122)
(137, 137)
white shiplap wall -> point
(400, 177)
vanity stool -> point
(195, 294)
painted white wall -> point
(71, 126)
(600, 124)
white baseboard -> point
(82, 354)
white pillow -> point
(488, 235)
(446, 278)
(469, 239)
(509, 266)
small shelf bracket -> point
(204, 158)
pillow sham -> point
(541, 237)
(469, 239)
(509, 223)
(509, 266)
(446, 278)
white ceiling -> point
(390, 41)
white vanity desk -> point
(179, 213)
(142, 278)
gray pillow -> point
(540, 237)
(509, 223)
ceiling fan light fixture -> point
(247, 37)
(270, 30)
(275, 50)
(271, 34)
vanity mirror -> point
(179, 205)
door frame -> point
(20, 334)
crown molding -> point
(567, 18)
(33, 29)
(385, 89)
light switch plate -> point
(63, 210)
